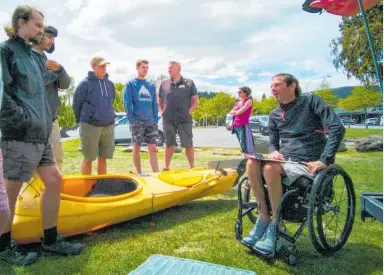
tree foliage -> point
(351, 51)
(265, 106)
(66, 116)
(328, 96)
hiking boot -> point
(268, 242)
(256, 232)
(62, 247)
(12, 256)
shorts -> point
(4, 204)
(183, 129)
(294, 171)
(97, 141)
(144, 132)
(21, 159)
(245, 138)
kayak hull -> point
(80, 213)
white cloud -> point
(265, 74)
(73, 5)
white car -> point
(123, 133)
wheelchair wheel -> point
(247, 196)
(331, 210)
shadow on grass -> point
(354, 258)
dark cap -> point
(246, 90)
(50, 29)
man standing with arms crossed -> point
(177, 100)
(26, 123)
(141, 107)
(55, 77)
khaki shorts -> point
(55, 140)
(21, 159)
(295, 171)
(183, 129)
(97, 141)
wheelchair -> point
(319, 203)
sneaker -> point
(62, 247)
(256, 232)
(12, 256)
(268, 242)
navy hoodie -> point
(93, 101)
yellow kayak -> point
(88, 203)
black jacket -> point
(25, 114)
(297, 130)
(53, 81)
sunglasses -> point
(175, 63)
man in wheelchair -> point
(296, 133)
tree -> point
(351, 51)
(118, 103)
(328, 96)
(263, 97)
(361, 98)
(266, 106)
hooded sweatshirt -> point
(93, 101)
(140, 101)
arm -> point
(336, 129)
(244, 108)
(160, 100)
(63, 79)
(78, 99)
(10, 110)
(274, 139)
(195, 99)
(128, 106)
(155, 106)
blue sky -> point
(221, 44)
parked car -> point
(263, 125)
(372, 121)
(123, 133)
(228, 121)
(254, 123)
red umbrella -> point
(343, 7)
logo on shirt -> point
(144, 94)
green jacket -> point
(25, 114)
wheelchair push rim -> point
(331, 210)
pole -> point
(378, 73)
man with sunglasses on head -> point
(177, 99)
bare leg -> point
(13, 190)
(86, 167)
(168, 153)
(152, 151)
(136, 158)
(272, 175)
(190, 154)
(255, 181)
(101, 166)
(50, 199)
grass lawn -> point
(356, 133)
(204, 230)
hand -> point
(232, 113)
(52, 65)
(276, 155)
(315, 166)
(190, 111)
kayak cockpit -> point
(99, 189)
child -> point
(240, 125)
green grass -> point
(204, 230)
(355, 133)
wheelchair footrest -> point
(249, 205)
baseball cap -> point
(98, 60)
(52, 30)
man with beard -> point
(26, 123)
